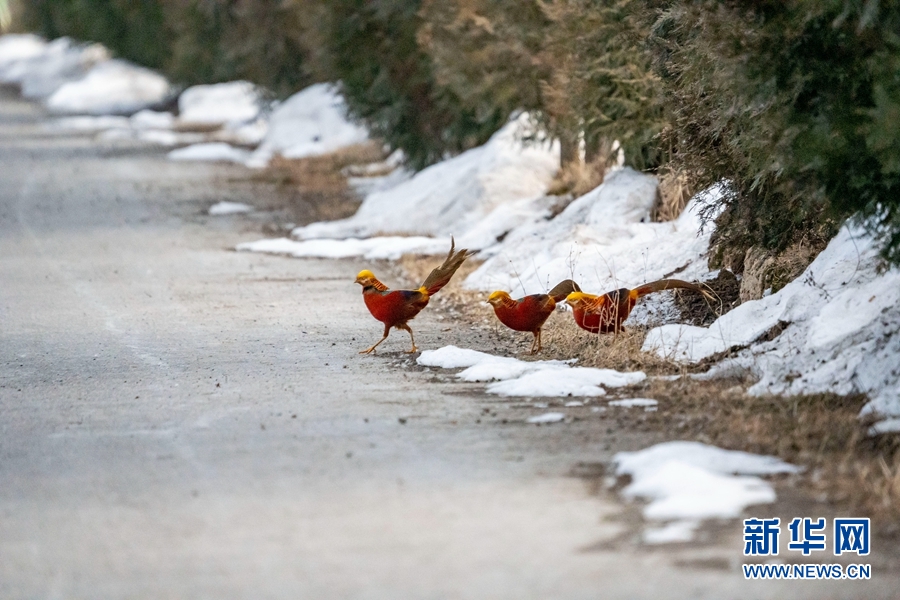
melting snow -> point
(604, 240)
(40, 70)
(229, 208)
(211, 151)
(110, 87)
(550, 417)
(514, 377)
(686, 482)
(151, 119)
(477, 196)
(309, 123)
(842, 333)
(645, 403)
(388, 248)
(218, 104)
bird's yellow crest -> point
(364, 276)
(576, 298)
(498, 296)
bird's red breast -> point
(526, 314)
(394, 307)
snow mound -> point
(212, 151)
(229, 208)
(841, 330)
(604, 240)
(309, 123)
(377, 248)
(218, 104)
(686, 482)
(110, 87)
(16, 47)
(39, 74)
(152, 119)
(514, 377)
(478, 196)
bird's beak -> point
(358, 281)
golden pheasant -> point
(605, 314)
(395, 308)
(530, 313)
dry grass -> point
(672, 196)
(317, 189)
(578, 178)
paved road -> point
(182, 421)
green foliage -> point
(612, 90)
(192, 41)
(796, 103)
(134, 29)
(793, 102)
(388, 81)
(263, 41)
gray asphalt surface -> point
(178, 420)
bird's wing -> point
(594, 305)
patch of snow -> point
(229, 208)
(842, 333)
(152, 119)
(40, 74)
(309, 123)
(19, 46)
(690, 481)
(675, 531)
(478, 196)
(514, 377)
(387, 248)
(212, 151)
(248, 134)
(574, 403)
(550, 417)
(634, 402)
(363, 186)
(886, 426)
(604, 240)
(110, 87)
(453, 357)
(220, 103)
(560, 380)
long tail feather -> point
(563, 289)
(441, 276)
(667, 284)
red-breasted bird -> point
(530, 313)
(395, 308)
(605, 314)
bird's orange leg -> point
(536, 343)
(387, 331)
(407, 328)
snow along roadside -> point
(688, 482)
